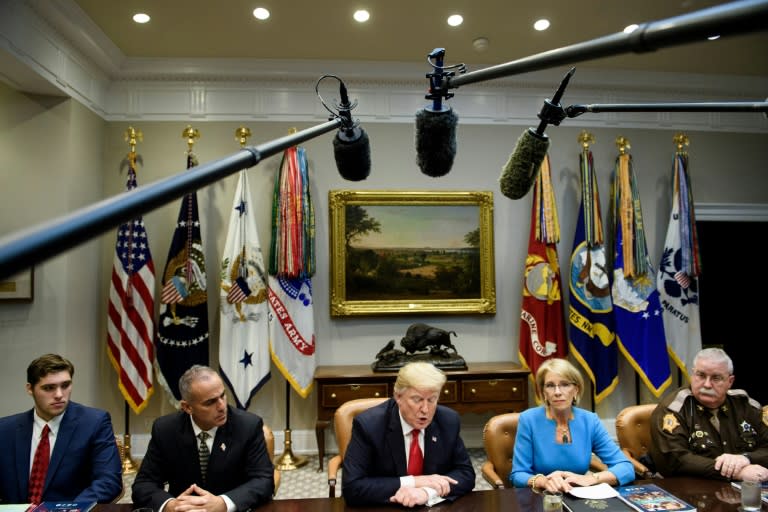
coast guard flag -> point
(182, 330)
(244, 341)
(591, 312)
(636, 306)
(542, 324)
(291, 266)
(679, 269)
(130, 320)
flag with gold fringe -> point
(291, 266)
(680, 267)
(542, 324)
(182, 330)
(131, 312)
(244, 335)
(636, 306)
(591, 311)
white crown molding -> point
(58, 44)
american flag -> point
(239, 291)
(130, 323)
(174, 291)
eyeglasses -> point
(715, 379)
(564, 386)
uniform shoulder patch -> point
(669, 422)
(677, 403)
(765, 416)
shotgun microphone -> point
(520, 171)
(351, 146)
(436, 124)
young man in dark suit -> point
(83, 463)
(408, 449)
(227, 470)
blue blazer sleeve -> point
(609, 452)
(522, 459)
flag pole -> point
(288, 461)
(129, 466)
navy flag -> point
(591, 311)
(182, 330)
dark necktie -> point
(204, 453)
(715, 421)
(39, 467)
(415, 457)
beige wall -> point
(57, 156)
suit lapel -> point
(432, 447)
(395, 439)
(23, 442)
(67, 430)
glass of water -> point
(553, 501)
(750, 495)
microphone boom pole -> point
(727, 19)
(28, 247)
(736, 106)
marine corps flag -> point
(680, 267)
(182, 331)
(542, 324)
(244, 340)
(591, 311)
(131, 315)
(291, 266)
(636, 306)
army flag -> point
(636, 306)
(679, 269)
(244, 336)
(182, 330)
(131, 311)
(542, 324)
(591, 311)
(291, 266)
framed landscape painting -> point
(411, 252)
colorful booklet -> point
(65, 506)
(652, 498)
(763, 491)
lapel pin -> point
(223, 447)
(434, 439)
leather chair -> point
(633, 430)
(269, 438)
(499, 442)
(342, 426)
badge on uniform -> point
(669, 422)
(765, 416)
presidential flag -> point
(131, 311)
(244, 341)
(591, 312)
(292, 264)
(182, 330)
(679, 270)
(636, 306)
(542, 323)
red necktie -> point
(39, 468)
(415, 457)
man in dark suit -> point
(234, 474)
(408, 449)
(84, 463)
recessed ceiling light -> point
(631, 28)
(141, 17)
(542, 24)
(712, 38)
(361, 16)
(455, 20)
(260, 13)
(480, 44)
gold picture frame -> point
(411, 252)
(19, 287)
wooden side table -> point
(483, 387)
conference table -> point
(705, 495)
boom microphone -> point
(520, 171)
(351, 146)
(436, 125)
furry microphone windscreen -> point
(353, 155)
(435, 141)
(523, 165)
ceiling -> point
(407, 30)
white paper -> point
(594, 492)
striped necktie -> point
(204, 453)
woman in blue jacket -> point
(555, 441)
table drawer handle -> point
(376, 394)
(355, 387)
(473, 391)
(333, 395)
(493, 382)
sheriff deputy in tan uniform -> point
(709, 429)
